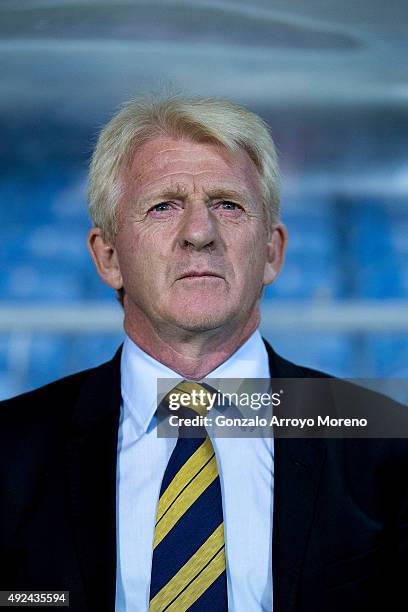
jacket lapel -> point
(298, 464)
(91, 463)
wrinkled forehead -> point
(165, 161)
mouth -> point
(204, 274)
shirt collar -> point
(140, 371)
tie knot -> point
(190, 402)
(190, 396)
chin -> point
(203, 321)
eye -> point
(161, 207)
(162, 210)
(228, 206)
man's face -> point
(192, 245)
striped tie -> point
(188, 567)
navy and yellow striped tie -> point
(188, 567)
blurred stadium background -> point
(330, 78)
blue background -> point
(331, 84)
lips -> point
(196, 274)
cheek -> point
(130, 254)
(250, 255)
(140, 254)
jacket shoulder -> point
(51, 399)
(283, 368)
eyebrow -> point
(172, 193)
(178, 192)
(226, 193)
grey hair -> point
(199, 119)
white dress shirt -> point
(246, 471)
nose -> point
(198, 229)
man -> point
(184, 199)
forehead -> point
(167, 160)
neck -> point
(191, 354)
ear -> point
(276, 248)
(105, 258)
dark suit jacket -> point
(339, 518)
